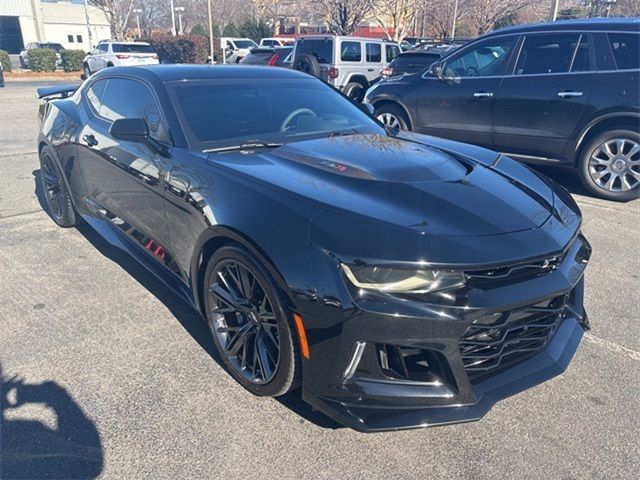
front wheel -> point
(392, 116)
(250, 324)
(610, 165)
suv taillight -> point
(154, 56)
(122, 56)
(387, 72)
(333, 72)
(274, 58)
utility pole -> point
(455, 16)
(86, 16)
(554, 9)
(179, 10)
(137, 11)
(173, 20)
(210, 31)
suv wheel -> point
(392, 116)
(355, 91)
(307, 63)
(610, 165)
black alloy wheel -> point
(248, 323)
(55, 191)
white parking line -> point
(612, 346)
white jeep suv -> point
(114, 54)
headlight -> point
(393, 279)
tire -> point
(87, 70)
(109, 64)
(609, 165)
(355, 91)
(54, 188)
(247, 328)
(392, 116)
(307, 63)
(22, 63)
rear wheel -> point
(55, 191)
(610, 165)
(355, 91)
(249, 324)
(392, 116)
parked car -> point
(237, 48)
(563, 93)
(24, 56)
(350, 64)
(118, 54)
(401, 280)
(269, 56)
(413, 61)
(277, 42)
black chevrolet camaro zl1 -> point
(400, 280)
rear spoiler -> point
(58, 91)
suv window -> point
(486, 59)
(126, 98)
(581, 62)
(626, 50)
(351, 52)
(131, 48)
(392, 52)
(103, 47)
(374, 52)
(548, 53)
(321, 48)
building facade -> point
(67, 22)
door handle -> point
(483, 94)
(90, 140)
(569, 94)
(370, 69)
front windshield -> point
(228, 112)
(245, 43)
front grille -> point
(503, 275)
(497, 341)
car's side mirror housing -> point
(130, 130)
(437, 70)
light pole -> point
(137, 11)
(179, 10)
(210, 31)
(86, 16)
(554, 10)
(173, 20)
(455, 16)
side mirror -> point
(437, 70)
(367, 108)
(130, 130)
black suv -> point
(564, 93)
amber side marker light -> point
(302, 335)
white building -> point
(57, 21)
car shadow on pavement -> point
(33, 445)
(188, 317)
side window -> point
(95, 93)
(487, 59)
(374, 52)
(392, 52)
(581, 62)
(102, 48)
(131, 99)
(626, 50)
(351, 52)
(547, 53)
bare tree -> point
(395, 17)
(485, 14)
(118, 13)
(343, 16)
(439, 15)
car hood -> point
(405, 182)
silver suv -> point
(350, 64)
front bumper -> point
(352, 378)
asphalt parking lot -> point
(119, 378)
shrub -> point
(42, 59)
(72, 60)
(198, 29)
(181, 49)
(255, 30)
(5, 60)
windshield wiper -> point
(243, 146)
(343, 133)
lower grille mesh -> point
(495, 342)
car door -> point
(538, 108)
(455, 100)
(124, 180)
(351, 63)
(373, 57)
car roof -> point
(172, 73)
(348, 37)
(594, 24)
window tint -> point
(131, 48)
(547, 53)
(321, 48)
(350, 52)
(131, 99)
(487, 59)
(581, 61)
(374, 52)
(626, 50)
(414, 61)
(95, 93)
(392, 52)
